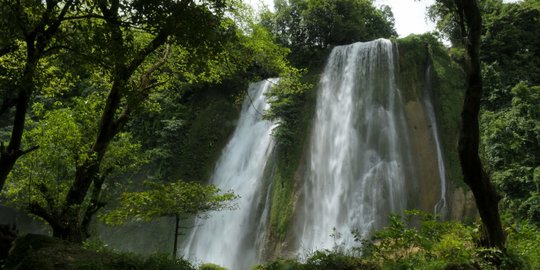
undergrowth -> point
(418, 240)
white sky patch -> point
(410, 15)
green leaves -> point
(310, 27)
(169, 199)
(286, 100)
(64, 135)
(511, 145)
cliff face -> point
(425, 69)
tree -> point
(65, 134)
(192, 128)
(178, 199)
(510, 58)
(512, 148)
(311, 26)
(473, 172)
(127, 43)
(33, 26)
(120, 58)
(287, 99)
(510, 51)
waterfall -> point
(360, 158)
(233, 238)
(440, 208)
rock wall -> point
(416, 53)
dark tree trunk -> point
(474, 175)
(10, 154)
(72, 232)
(110, 124)
(37, 40)
(176, 228)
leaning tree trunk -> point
(37, 41)
(474, 175)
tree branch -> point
(8, 49)
(88, 16)
(143, 90)
(38, 210)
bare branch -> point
(145, 77)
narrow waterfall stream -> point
(233, 238)
(360, 158)
(441, 207)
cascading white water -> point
(359, 155)
(232, 238)
(440, 208)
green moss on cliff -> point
(412, 52)
(449, 94)
(282, 198)
(417, 52)
(288, 161)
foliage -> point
(419, 241)
(509, 43)
(42, 252)
(321, 260)
(310, 27)
(287, 99)
(63, 134)
(169, 199)
(509, 51)
(512, 146)
(292, 104)
(401, 242)
(524, 242)
(194, 119)
(445, 15)
(210, 266)
(138, 57)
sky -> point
(409, 14)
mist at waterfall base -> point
(360, 164)
(233, 238)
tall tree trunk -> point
(73, 232)
(37, 39)
(10, 154)
(176, 229)
(474, 175)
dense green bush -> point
(211, 266)
(33, 252)
(322, 260)
(420, 241)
